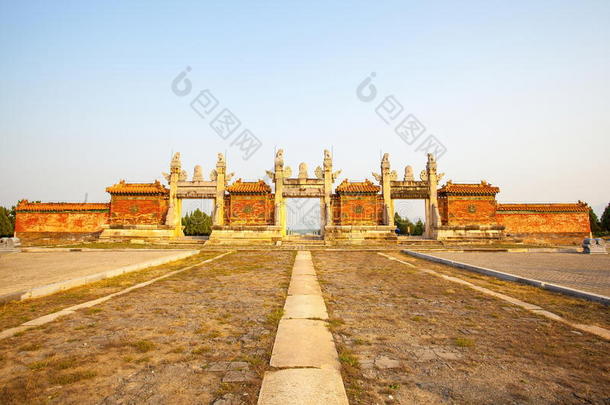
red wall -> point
(138, 210)
(70, 222)
(457, 210)
(366, 210)
(250, 209)
(545, 222)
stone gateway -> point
(254, 212)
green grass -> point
(334, 323)
(347, 357)
(274, 317)
(464, 342)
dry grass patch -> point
(571, 308)
(434, 341)
(17, 312)
(159, 340)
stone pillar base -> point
(359, 234)
(469, 233)
(245, 235)
(149, 233)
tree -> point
(6, 225)
(197, 223)
(405, 227)
(605, 221)
(595, 225)
(419, 228)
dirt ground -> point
(573, 309)
(198, 337)
(411, 338)
(15, 313)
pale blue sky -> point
(518, 92)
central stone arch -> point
(303, 186)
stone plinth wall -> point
(49, 223)
(359, 234)
(478, 233)
(550, 223)
(138, 209)
(562, 238)
(56, 238)
(120, 233)
(245, 235)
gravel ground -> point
(201, 336)
(410, 338)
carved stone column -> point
(280, 205)
(427, 218)
(386, 189)
(174, 212)
(328, 190)
(221, 182)
(433, 178)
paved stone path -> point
(304, 351)
(24, 271)
(589, 273)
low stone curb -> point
(49, 289)
(511, 277)
(60, 249)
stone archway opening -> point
(303, 217)
(410, 211)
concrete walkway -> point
(304, 353)
(575, 274)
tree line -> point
(197, 223)
(600, 227)
(406, 227)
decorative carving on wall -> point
(176, 160)
(409, 174)
(303, 170)
(279, 157)
(197, 173)
(319, 173)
